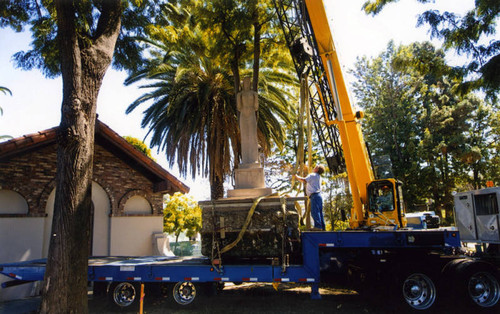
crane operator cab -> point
(385, 205)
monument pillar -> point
(249, 176)
(243, 225)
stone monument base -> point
(271, 232)
(249, 193)
(249, 182)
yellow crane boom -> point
(354, 148)
(311, 44)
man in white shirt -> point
(313, 190)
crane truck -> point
(417, 267)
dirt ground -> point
(258, 298)
(263, 298)
(251, 298)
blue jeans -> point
(317, 210)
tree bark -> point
(236, 74)
(83, 65)
(216, 188)
(256, 55)
(217, 169)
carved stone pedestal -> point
(272, 231)
(249, 182)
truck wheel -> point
(484, 289)
(124, 294)
(480, 283)
(419, 291)
(184, 293)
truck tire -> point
(184, 293)
(418, 290)
(125, 294)
(478, 282)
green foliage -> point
(139, 145)
(480, 155)
(15, 13)
(4, 90)
(182, 248)
(181, 214)
(337, 201)
(41, 18)
(83, 48)
(191, 82)
(437, 139)
(471, 35)
(283, 162)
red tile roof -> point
(109, 139)
(27, 142)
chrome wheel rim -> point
(419, 291)
(484, 289)
(184, 292)
(124, 294)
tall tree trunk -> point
(236, 74)
(216, 188)
(216, 152)
(256, 55)
(83, 68)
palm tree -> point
(193, 115)
(4, 90)
(193, 118)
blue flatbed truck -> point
(413, 264)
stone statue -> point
(249, 176)
(247, 103)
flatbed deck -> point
(175, 269)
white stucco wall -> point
(19, 241)
(100, 241)
(27, 238)
(133, 236)
(102, 209)
(12, 203)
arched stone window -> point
(12, 202)
(137, 204)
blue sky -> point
(36, 101)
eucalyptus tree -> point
(493, 171)
(244, 30)
(391, 121)
(192, 114)
(471, 34)
(444, 119)
(415, 117)
(77, 40)
(480, 156)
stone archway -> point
(135, 202)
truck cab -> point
(385, 204)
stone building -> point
(127, 198)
